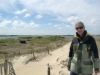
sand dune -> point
(40, 67)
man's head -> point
(80, 28)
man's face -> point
(80, 29)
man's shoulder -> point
(75, 38)
(90, 36)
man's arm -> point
(95, 55)
(71, 50)
(70, 55)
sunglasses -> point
(79, 28)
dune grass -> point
(37, 44)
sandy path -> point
(40, 67)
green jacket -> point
(83, 54)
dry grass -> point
(37, 44)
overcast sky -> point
(48, 17)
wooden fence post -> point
(1, 69)
(47, 48)
(49, 70)
(6, 66)
(11, 69)
(33, 53)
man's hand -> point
(68, 63)
(68, 66)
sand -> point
(40, 67)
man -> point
(83, 54)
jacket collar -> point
(83, 35)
